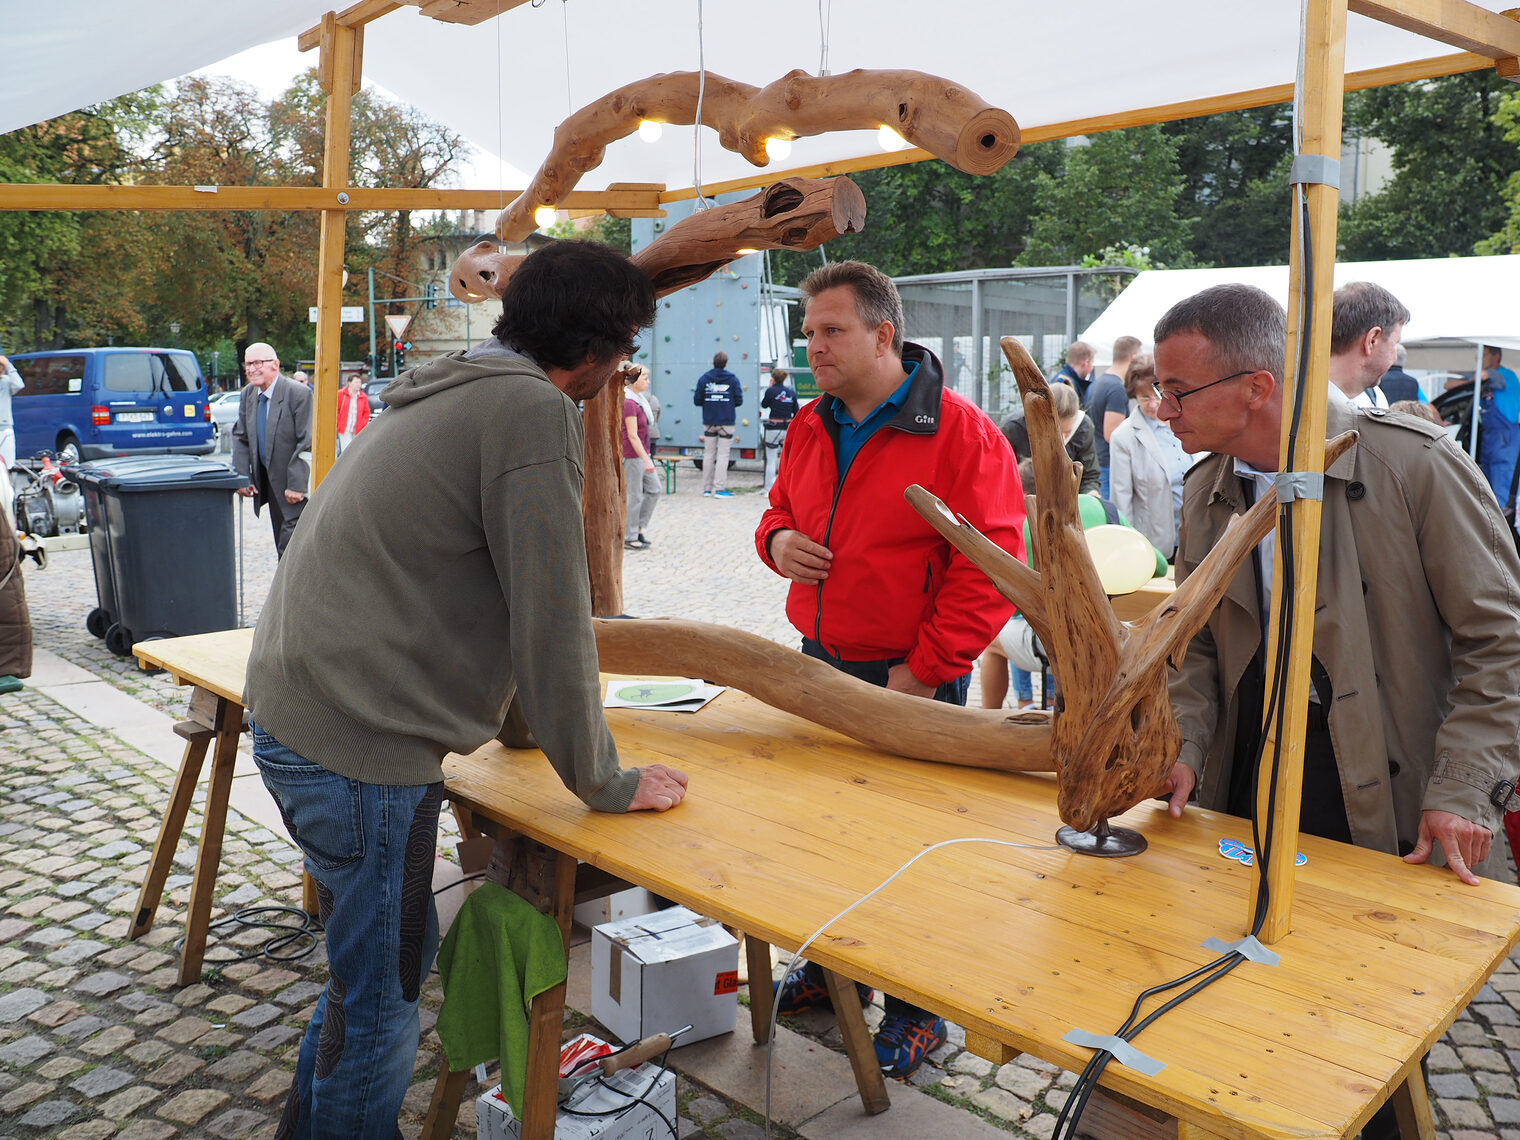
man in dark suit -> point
(1399, 385)
(273, 429)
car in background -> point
(94, 403)
(372, 390)
(224, 414)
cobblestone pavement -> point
(98, 1040)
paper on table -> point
(663, 694)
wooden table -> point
(787, 824)
(214, 664)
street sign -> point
(352, 314)
(398, 323)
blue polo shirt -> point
(852, 435)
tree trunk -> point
(604, 498)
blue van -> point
(95, 403)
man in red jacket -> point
(876, 592)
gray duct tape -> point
(1247, 948)
(1318, 168)
(1299, 485)
(1123, 1051)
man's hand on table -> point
(900, 679)
(1178, 788)
(660, 788)
(1466, 843)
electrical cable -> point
(307, 928)
(770, 1040)
(642, 1098)
(696, 129)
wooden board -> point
(214, 661)
(787, 824)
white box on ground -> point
(611, 908)
(657, 972)
(635, 1090)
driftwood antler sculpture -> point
(946, 120)
(794, 213)
(1113, 737)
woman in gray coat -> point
(1147, 463)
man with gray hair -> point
(271, 440)
(1398, 384)
(1416, 659)
(1364, 338)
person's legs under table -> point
(370, 848)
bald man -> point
(272, 432)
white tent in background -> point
(1452, 300)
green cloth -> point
(1092, 514)
(499, 955)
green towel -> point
(499, 955)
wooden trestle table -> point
(786, 824)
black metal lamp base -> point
(1103, 841)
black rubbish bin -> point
(161, 539)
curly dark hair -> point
(573, 301)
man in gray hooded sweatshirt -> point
(441, 569)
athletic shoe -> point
(723, 494)
(804, 988)
(902, 1045)
(707, 494)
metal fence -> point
(961, 316)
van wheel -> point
(119, 640)
(97, 622)
(68, 449)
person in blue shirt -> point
(718, 394)
(780, 404)
(1499, 435)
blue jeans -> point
(952, 692)
(1023, 683)
(1103, 482)
(370, 848)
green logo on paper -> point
(657, 694)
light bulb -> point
(744, 252)
(778, 148)
(888, 139)
(545, 216)
(649, 130)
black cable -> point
(642, 1098)
(1275, 714)
(308, 928)
(461, 879)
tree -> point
(1451, 158)
(1234, 168)
(1122, 188)
(1507, 238)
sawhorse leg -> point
(545, 878)
(229, 723)
(762, 995)
(857, 1043)
(197, 740)
(1411, 1104)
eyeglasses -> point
(1173, 400)
(259, 363)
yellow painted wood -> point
(1320, 122)
(1456, 22)
(55, 196)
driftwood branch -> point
(794, 213)
(1113, 735)
(932, 113)
(786, 679)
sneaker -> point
(706, 494)
(804, 988)
(902, 1045)
(723, 494)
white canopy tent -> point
(1466, 299)
(507, 82)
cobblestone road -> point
(97, 1040)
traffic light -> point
(401, 347)
(431, 295)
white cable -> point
(824, 21)
(696, 127)
(770, 1042)
(564, 8)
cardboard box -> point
(618, 905)
(494, 1119)
(657, 972)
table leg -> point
(309, 902)
(1411, 1104)
(197, 740)
(761, 996)
(857, 1043)
(546, 1020)
(444, 1109)
(229, 723)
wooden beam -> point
(62, 196)
(446, 11)
(353, 17)
(341, 50)
(1311, 288)
(1459, 23)
(1432, 68)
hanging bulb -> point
(545, 216)
(649, 130)
(746, 252)
(888, 139)
(778, 149)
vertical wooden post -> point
(1319, 114)
(604, 498)
(339, 76)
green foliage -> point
(1234, 169)
(1507, 238)
(1452, 159)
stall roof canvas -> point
(508, 82)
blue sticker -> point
(1235, 849)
